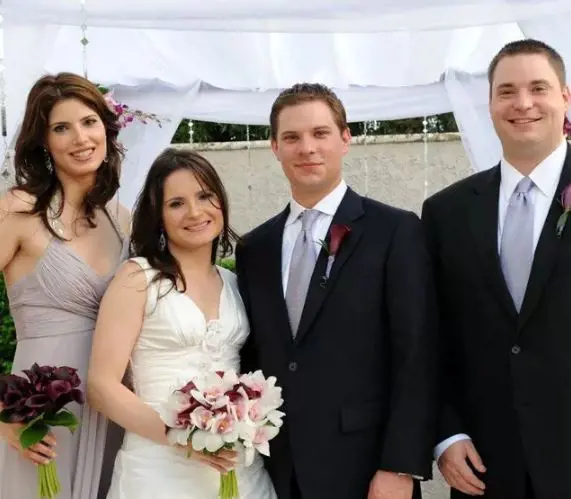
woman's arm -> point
(11, 227)
(12, 215)
(118, 326)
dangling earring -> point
(162, 241)
(49, 166)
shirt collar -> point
(545, 175)
(328, 205)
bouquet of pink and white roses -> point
(222, 410)
(38, 403)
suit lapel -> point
(348, 213)
(548, 248)
(484, 223)
(271, 280)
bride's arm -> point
(118, 326)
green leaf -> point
(62, 418)
(324, 245)
(561, 222)
(33, 434)
(32, 422)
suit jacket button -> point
(292, 366)
(516, 349)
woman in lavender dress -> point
(62, 238)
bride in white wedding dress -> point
(169, 315)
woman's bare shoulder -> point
(17, 201)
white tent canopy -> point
(289, 16)
(226, 60)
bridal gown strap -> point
(176, 343)
(54, 310)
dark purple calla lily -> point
(37, 401)
(57, 388)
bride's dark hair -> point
(32, 174)
(148, 219)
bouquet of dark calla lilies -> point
(38, 402)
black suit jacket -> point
(358, 379)
(507, 375)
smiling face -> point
(528, 105)
(76, 139)
(310, 147)
(192, 217)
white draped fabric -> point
(226, 60)
(333, 16)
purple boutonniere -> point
(337, 234)
(566, 203)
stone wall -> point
(389, 168)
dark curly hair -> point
(148, 219)
(33, 177)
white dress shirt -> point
(327, 208)
(545, 177)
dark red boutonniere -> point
(337, 234)
(567, 128)
(566, 203)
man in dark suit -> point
(503, 271)
(345, 322)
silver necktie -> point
(516, 251)
(301, 268)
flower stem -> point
(48, 482)
(228, 486)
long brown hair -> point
(32, 174)
(148, 219)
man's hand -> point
(454, 466)
(388, 485)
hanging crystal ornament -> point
(84, 40)
(250, 177)
(6, 158)
(425, 141)
(365, 159)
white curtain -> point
(24, 61)
(469, 99)
(143, 144)
(333, 16)
(226, 60)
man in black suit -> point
(345, 323)
(503, 271)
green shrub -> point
(228, 263)
(7, 332)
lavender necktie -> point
(516, 251)
(301, 268)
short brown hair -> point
(32, 175)
(529, 47)
(307, 92)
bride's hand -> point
(40, 453)
(223, 461)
